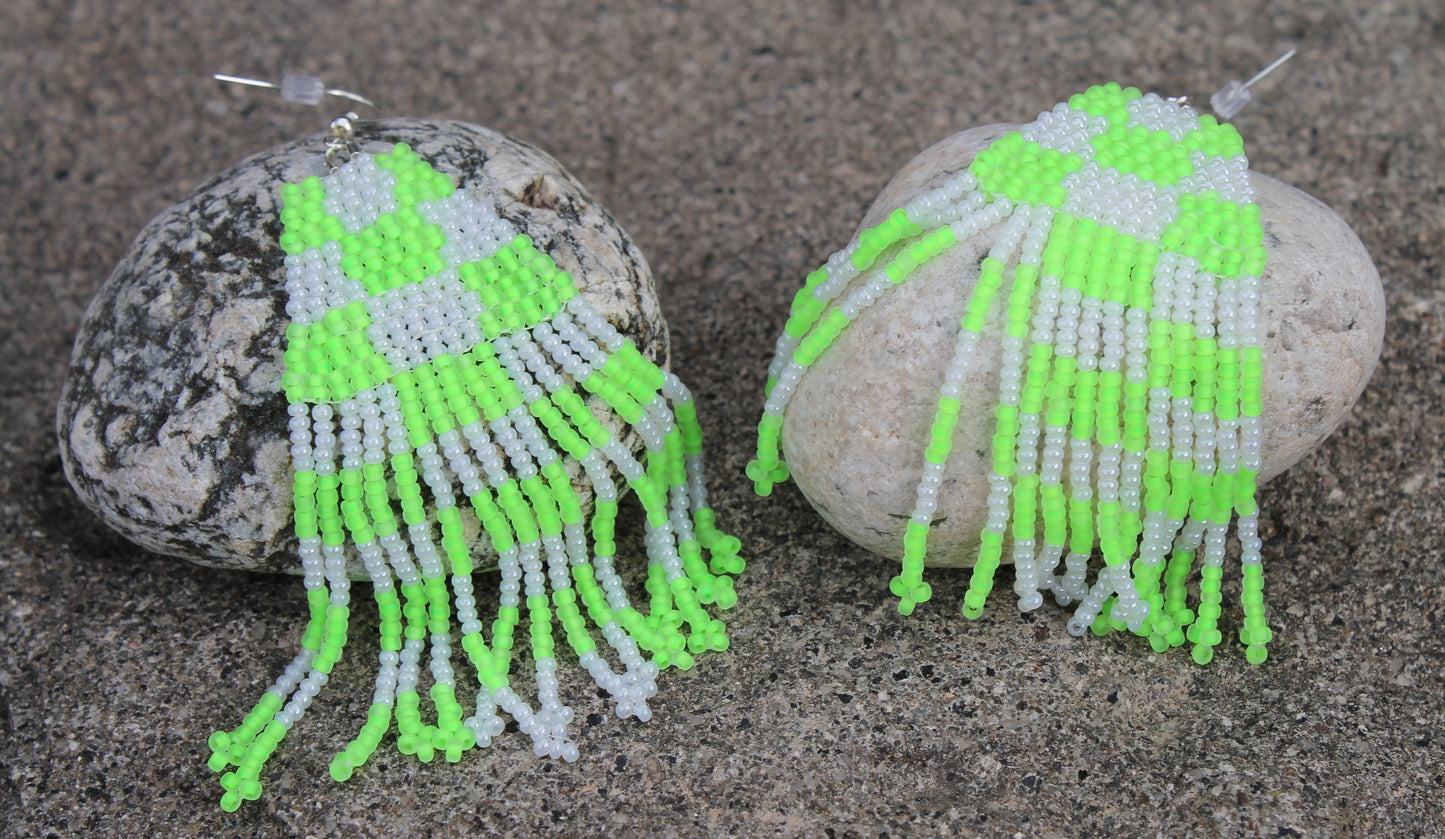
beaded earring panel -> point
(433, 365)
(1127, 271)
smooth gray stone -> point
(855, 430)
(172, 424)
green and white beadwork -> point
(433, 365)
(1127, 265)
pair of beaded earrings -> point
(440, 367)
(435, 356)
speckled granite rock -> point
(856, 429)
(172, 425)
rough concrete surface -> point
(738, 144)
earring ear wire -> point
(308, 90)
(304, 90)
(1231, 99)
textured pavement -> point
(739, 144)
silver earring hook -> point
(1230, 99)
(308, 90)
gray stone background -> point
(738, 143)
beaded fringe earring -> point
(433, 366)
(1128, 268)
